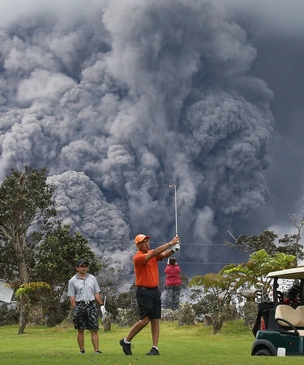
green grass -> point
(178, 345)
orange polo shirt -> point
(146, 272)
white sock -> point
(125, 341)
(155, 347)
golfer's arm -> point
(159, 250)
(167, 254)
(98, 299)
(73, 301)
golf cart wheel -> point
(263, 352)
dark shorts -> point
(86, 316)
(149, 303)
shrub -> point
(8, 315)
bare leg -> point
(137, 328)
(155, 331)
(95, 340)
(80, 339)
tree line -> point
(37, 252)
(38, 255)
(218, 293)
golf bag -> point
(262, 319)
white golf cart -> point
(284, 325)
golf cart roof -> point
(296, 273)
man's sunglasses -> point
(83, 265)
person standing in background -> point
(83, 291)
(173, 284)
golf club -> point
(171, 185)
(105, 313)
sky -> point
(118, 99)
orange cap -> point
(140, 237)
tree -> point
(55, 264)
(245, 243)
(269, 241)
(219, 289)
(290, 244)
(25, 209)
(254, 271)
(31, 293)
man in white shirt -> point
(84, 291)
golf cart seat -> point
(289, 320)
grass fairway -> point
(178, 345)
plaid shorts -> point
(86, 316)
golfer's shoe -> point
(97, 352)
(153, 351)
(82, 351)
(126, 347)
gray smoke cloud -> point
(120, 98)
(276, 30)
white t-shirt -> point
(83, 289)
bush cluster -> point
(8, 315)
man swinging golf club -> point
(147, 292)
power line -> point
(200, 263)
(203, 244)
(182, 243)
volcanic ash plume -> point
(122, 98)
